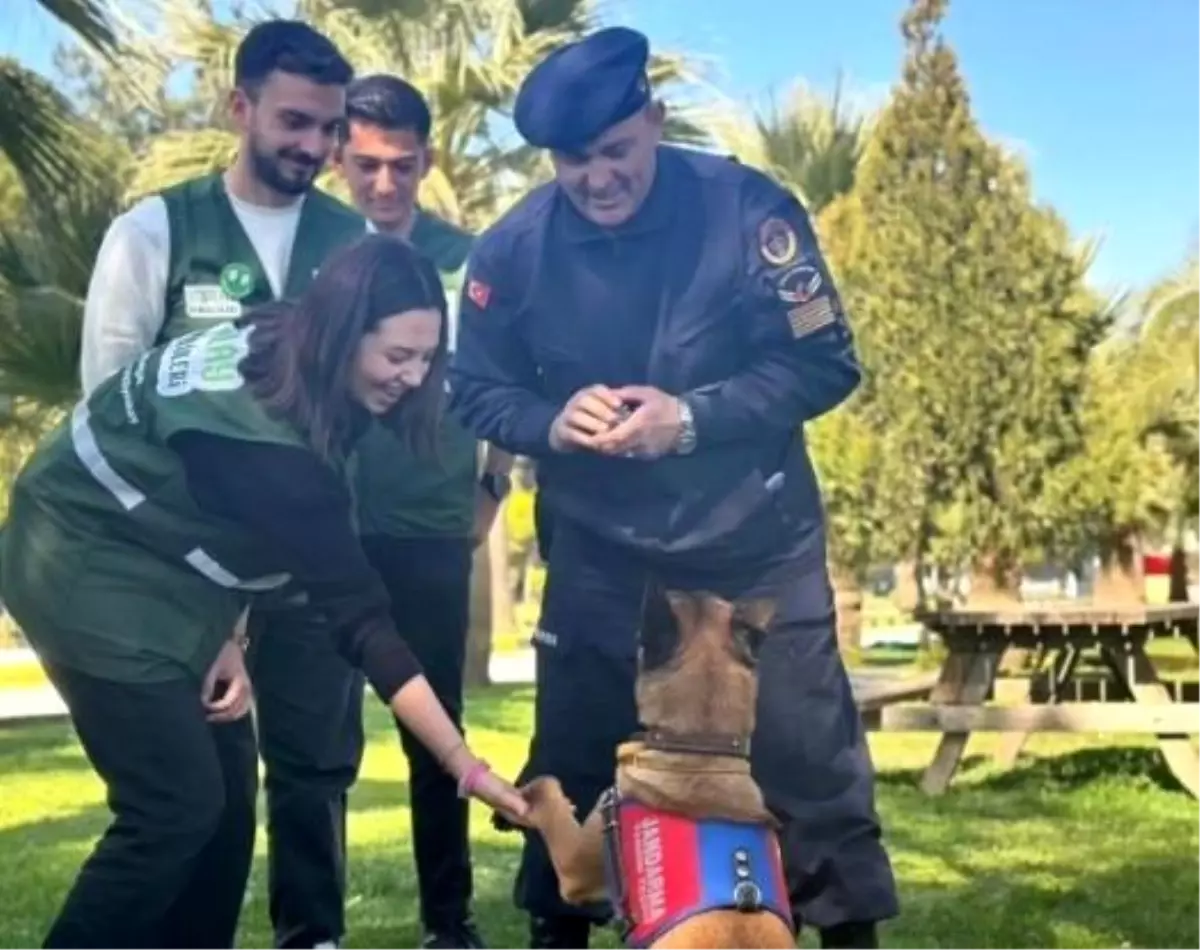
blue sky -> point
(1100, 95)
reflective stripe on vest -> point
(83, 438)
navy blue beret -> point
(583, 88)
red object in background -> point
(1156, 564)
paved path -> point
(43, 702)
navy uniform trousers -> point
(809, 752)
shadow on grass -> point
(40, 747)
(1141, 903)
(1064, 772)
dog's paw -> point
(544, 793)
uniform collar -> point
(656, 212)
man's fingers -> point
(622, 437)
(607, 396)
(593, 405)
(234, 704)
(585, 426)
(635, 393)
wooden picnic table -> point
(1063, 640)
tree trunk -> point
(1179, 575)
(995, 582)
(491, 603)
(848, 601)
(907, 593)
(1121, 578)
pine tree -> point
(973, 324)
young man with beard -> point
(206, 250)
(420, 520)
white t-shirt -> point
(127, 295)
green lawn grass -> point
(1081, 845)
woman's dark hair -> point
(303, 351)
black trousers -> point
(171, 869)
(809, 750)
(308, 702)
(429, 581)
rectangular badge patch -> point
(209, 302)
(811, 317)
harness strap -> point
(614, 877)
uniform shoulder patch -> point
(478, 293)
(811, 316)
(778, 243)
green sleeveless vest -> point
(397, 494)
(215, 273)
(108, 564)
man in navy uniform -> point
(653, 327)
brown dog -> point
(683, 845)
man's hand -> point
(229, 670)
(651, 430)
(587, 414)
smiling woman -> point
(212, 469)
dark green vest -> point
(108, 564)
(215, 273)
(397, 494)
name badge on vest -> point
(220, 301)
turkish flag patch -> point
(478, 293)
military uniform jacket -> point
(715, 290)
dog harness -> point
(662, 868)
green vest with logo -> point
(215, 273)
(397, 494)
(108, 563)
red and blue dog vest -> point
(663, 868)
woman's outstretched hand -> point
(503, 797)
(477, 780)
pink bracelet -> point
(470, 780)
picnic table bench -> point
(1056, 695)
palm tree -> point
(810, 143)
(1168, 367)
(36, 135)
(46, 254)
(467, 56)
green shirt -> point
(399, 495)
(108, 564)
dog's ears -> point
(758, 612)
(658, 636)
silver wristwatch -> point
(687, 429)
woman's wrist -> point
(457, 760)
(467, 770)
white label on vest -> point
(208, 361)
(209, 302)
